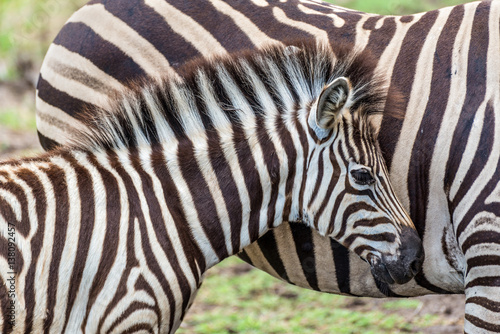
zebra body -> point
(115, 232)
(442, 155)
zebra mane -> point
(152, 111)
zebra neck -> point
(224, 196)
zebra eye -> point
(362, 176)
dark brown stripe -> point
(155, 29)
(490, 281)
(319, 179)
(482, 261)
(222, 169)
(334, 179)
(269, 247)
(402, 81)
(482, 323)
(72, 106)
(87, 224)
(474, 95)
(342, 266)
(47, 143)
(488, 304)
(79, 38)
(56, 176)
(161, 233)
(304, 245)
(202, 198)
(379, 38)
(480, 237)
(175, 208)
(228, 34)
(36, 244)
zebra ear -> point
(331, 101)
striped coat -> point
(442, 155)
(114, 233)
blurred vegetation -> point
(233, 300)
(396, 7)
(26, 29)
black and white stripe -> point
(114, 233)
(441, 153)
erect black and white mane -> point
(155, 111)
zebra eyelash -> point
(362, 176)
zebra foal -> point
(182, 173)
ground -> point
(235, 298)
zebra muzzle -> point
(400, 269)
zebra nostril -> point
(416, 266)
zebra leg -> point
(480, 242)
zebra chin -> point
(399, 269)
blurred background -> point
(234, 298)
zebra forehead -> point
(150, 111)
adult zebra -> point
(113, 234)
(443, 154)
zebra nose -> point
(400, 269)
(411, 257)
(412, 251)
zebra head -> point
(347, 192)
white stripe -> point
(280, 16)
(160, 257)
(193, 32)
(94, 253)
(170, 151)
(225, 132)
(492, 95)
(75, 89)
(260, 3)
(57, 54)
(250, 29)
(120, 34)
(45, 257)
(338, 22)
(110, 285)
(54, 123)
(416, 107)
(247, 119)
(288, 254)
(70, 248)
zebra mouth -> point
(380, 271)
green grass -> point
(395, 7)
(18, 119)
(254, 302)
(27, 27)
